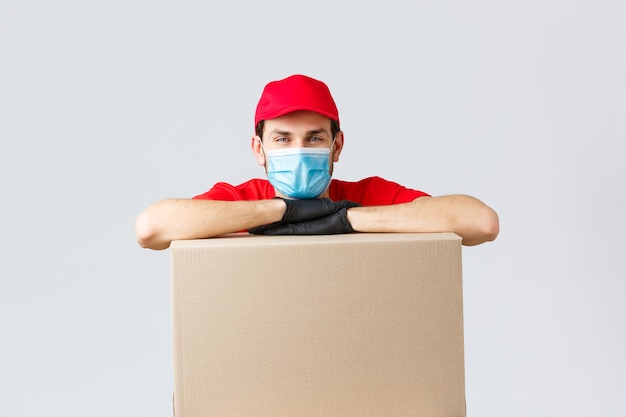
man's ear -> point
(339, 138)
(257, 149)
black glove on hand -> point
(299, 211)
(336, 223)
(303, 210)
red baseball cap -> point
(297, 92)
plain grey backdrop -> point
(107, 107)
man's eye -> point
(282, 139)
(315, 139)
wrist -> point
(352, 215)
(264, 211)
(277, 207)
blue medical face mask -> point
(299, 172)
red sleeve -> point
(255, 189)
(373, 191)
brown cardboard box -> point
(352, 325)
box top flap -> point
(245, 239)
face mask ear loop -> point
(264, 152)
(263, 148)
(330, 157)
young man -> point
(298, 140)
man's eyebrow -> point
(316, 131)
(308, 133)
(280, 132)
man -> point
(297, 140)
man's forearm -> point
(176, 219)
(466, 216)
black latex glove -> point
(303, 210)
(336, 223)
(298, 211)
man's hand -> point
(304, 210)
(336, 223)
(310, 217)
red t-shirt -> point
(372, 191)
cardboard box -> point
(352, 325)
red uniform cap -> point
(297, 92)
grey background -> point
(107, 107)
